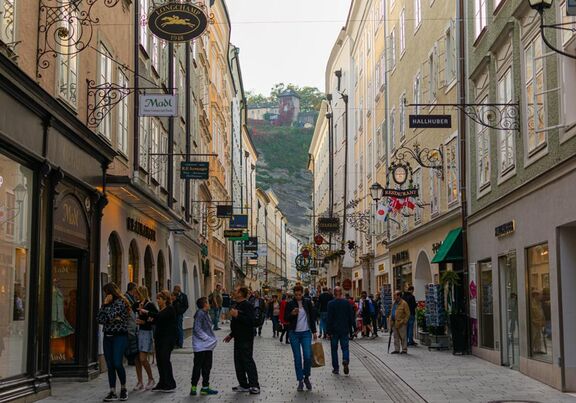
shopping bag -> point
(318, 355)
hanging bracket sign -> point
(158, 105)
(430, 121)
(194, 170)
(401, 193)
(177, 22)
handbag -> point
(318, 355)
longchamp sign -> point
(430, 121)
(158, 105)
(177, 22)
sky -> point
(285, 41)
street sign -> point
(158, 105)
(328, 225)
(233, 233)
(430, 121)
(239, 221)
(401, 193)
(224, 211)
(177, 22)
(251, 244)
(194, 170)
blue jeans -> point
(323, 317)
(215, 317)
(411, 329)
(301, 343)
(114, 348)
(180, 320)
(344, 340)
(275, 324)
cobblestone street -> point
(375, 376)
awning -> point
(451, 249)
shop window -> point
(534, 91)
(486, 305)
(15, 237)
(64, 303)
(539, 303)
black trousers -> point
(202, 365)
(163, 352)
(375, 324)
(246, 371)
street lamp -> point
(540, 6)
(20, 193)
(376, 191)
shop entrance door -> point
(509, 311)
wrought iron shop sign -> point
(401, 193)
(194, 170)
(239, 221)
(158, 105)
(224, 211)
(251, 244)
(430, 121)
(505, 229)
(141, 229)
(177, 22)
(328, 225)
(233, 233)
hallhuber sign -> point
(430, 121)
(158, 105)
(177, 22)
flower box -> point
(440, 342)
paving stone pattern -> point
(375, 376)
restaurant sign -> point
(177, 22)
(401, 193)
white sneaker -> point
(240, 389)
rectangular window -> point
(145, 143)
(534, 94)
(506, 137)
(539, 303)
(483, 152)
(479, 16)
(182, 92)
(402, 117)
(434, 192)
(157, 161)
(450, 55)
(68, 65)
(417, 92)
(369, 160)
(163, 175)
(392, 47)
(486, 302)
(417, 14)
(16, 234)
(105, 77)
(402, 30)
(417, 208)
(432, 75)
(144, 24)
(123, 121)
(155, 52)
(383, 72)
(7, 18)
(452, 171)
(393, 129)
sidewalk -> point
(375, 376)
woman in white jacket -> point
(203, 342)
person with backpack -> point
(113, 316)
(180, 302)
(203, 343)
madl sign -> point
(178, 22)
(158, 105)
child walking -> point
(203, 342)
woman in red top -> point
(284, 324)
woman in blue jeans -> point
(113, 315)
(299, 315)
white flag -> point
(381, 212)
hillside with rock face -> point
(283, 167)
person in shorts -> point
(145, 340)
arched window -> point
(115, 259)
(149, 270)
(161, 271)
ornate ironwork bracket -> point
(65, 27)
(565, 26)
(432, 158)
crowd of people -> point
(134, 328)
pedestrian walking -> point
(226, 302)
(131, 352)
(408, 296)
(340, 325)
(215, 301)
(323, 301)
(283, 322)
(259, 312)
(242, 331)
(203, 343)
(366, 314)
(274, 314)
(165, 338)
(373, 308)
(180, 303)
(399, 322)
(302, 326)
(113, 315)
(145, 340)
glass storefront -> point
(539, 303)
(16, 184)
(486, 305)
(509, 311)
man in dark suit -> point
(340, 324)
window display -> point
(16, 183)
(486, 305)
(539, 303)
(64, 303)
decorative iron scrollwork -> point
(65, 27)
(432, 158)
(102, 99)
(493, 116)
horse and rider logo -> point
(178, 22)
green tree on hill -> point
(310, 97)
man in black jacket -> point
(242, 331)
(340, 324)
(180, 302)
(408, 296)
(323, 300)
